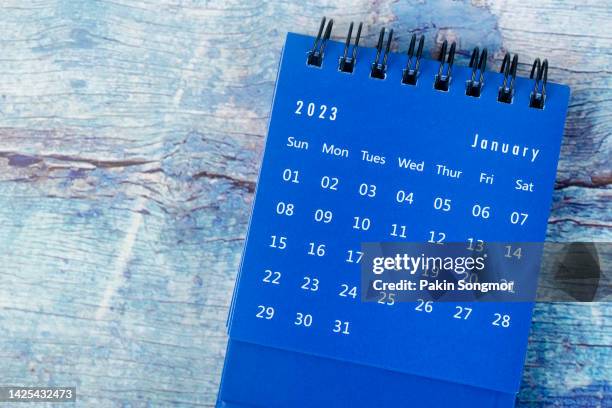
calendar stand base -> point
(259, 376)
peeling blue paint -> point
(19, 160)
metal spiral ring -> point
(346, 63)
(538, 95)
(506, 91)
(379, 68)
(442, 81)
(411, 73)
(478, 62)
(315, 56)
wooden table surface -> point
(130, 141)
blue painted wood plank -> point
(130, 140)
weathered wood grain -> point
(130, 140)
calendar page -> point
(351, 159)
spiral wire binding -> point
(538, 95)
(346, 63)
(474, 86)
(411, 74)
(315, 56)
(442, 81)
(506, 91)
(379, 68)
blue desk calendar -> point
(365, 145)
